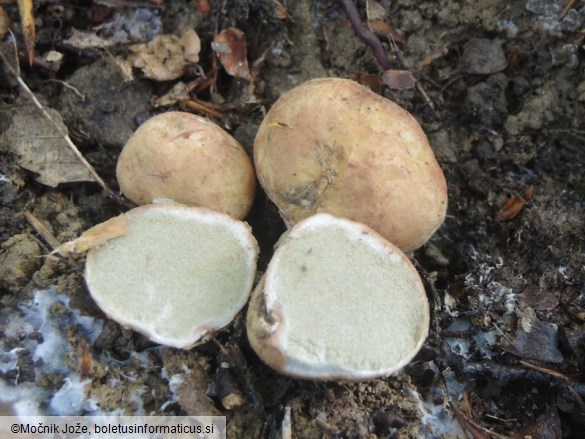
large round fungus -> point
(331, 145)
(338, 301)
(177, 274)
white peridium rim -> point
(191, 217)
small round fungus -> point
(176, 274)
(331, 145)
(187, 159)
(337, 301)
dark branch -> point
(367, 35)
(504, 374)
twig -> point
(497, 418)
(286, 424)
(367, 35)
(47, 236)
(42, 230)
(27, 20)
(472, 428)
(475, 430)
(206, 107)
(570, 5)
(70, 87)
(544, 370)
(439, 53)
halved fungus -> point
(331, 145)
(173, 273)
(337, 301)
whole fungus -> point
(172, 272)
(331, 145)
(190, 160)
(337, 301)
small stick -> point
(27, 20)
(286, 424)
(544, 370)
(487, 415)
(439, 53)
(196, 104)
(86, 360)
(46, 235)
(425, 96)
(42, 230)
(70, 87)
(475, 430)
(570, 5)
(468, 408)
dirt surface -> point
(501, 92)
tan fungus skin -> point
(190, 160)
(261, 336)
(332, 145)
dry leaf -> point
(511, 208)
(64, 165)
(375, 11)
(399, 79)
(230, 46)
(41, 148)
(385, 30)
(165, 57)
(538, 298)
(483, 57)
(94, 237)
(514, 205)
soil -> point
(503, 108)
